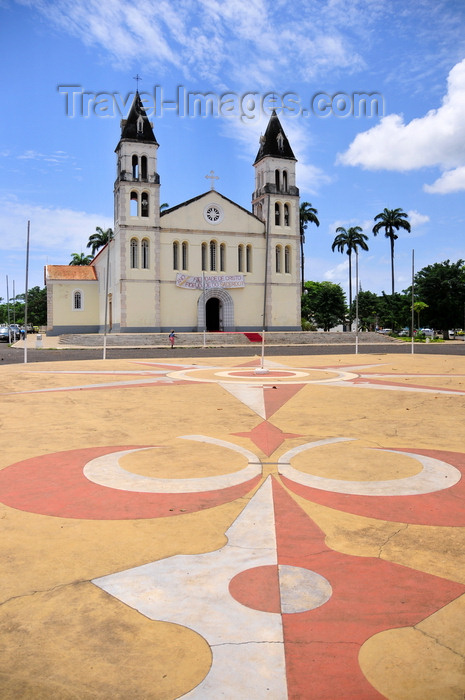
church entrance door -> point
(214, 314)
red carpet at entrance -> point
(254, 337)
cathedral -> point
(204, 264)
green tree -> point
(442, 287)
(394, 310)
(350, 240)
(37, 306)
(308, 215)
(99, 239)
(367, 309)
(324, 304)
(390, 220)
(80, 259)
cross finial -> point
(212, 177)
(137, 78)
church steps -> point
(218, 339)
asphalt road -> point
(11, 355)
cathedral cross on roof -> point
(212, 177)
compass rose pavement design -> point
(208, 530)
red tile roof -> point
(70, 272)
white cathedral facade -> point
(206, 263)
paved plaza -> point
(200, 529)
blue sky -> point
(57, 161)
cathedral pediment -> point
(210, 211)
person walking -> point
(172, 337)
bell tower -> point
(137, 186)
(135, 254)
(276, 201)
(275, 179)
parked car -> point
(385, 331)
(404, 333)
(427, 332)
(15, 331)
(4, 334)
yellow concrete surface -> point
(62, 638)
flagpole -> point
(106, 301)
(356, 303)
(413, 297)
(204, 311)
(262, 369)
(25, 296)
(8, 309)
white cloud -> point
(366, 225)
(450, 181)
(56, 157)
(416, 219)
(436, 139)
(55, 232)
(339, 272)
(220, 41)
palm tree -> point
(308, 215)
(350, 240)
(418, 307)
(99, 239)
(80, 259)
(391, 219)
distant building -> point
(202, 263)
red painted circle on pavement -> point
(257, 588)
(280, 589)
(54, 484)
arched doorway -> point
(217, 315)
(213, 313)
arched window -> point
(222, 257)
(260, 211)
(175, 255)
(248, 258)
(143, 167)
(145, 254)
(144, 205)
(277, 214)
(240, 258)
(134, 204)
(185, 260)
(279, 255)
(135, 167)
(134, 253)
(284, 180)
(77, 300)
(286, 215)
(287, 259)
(213, 256)
(204, 256)
(276, 179)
